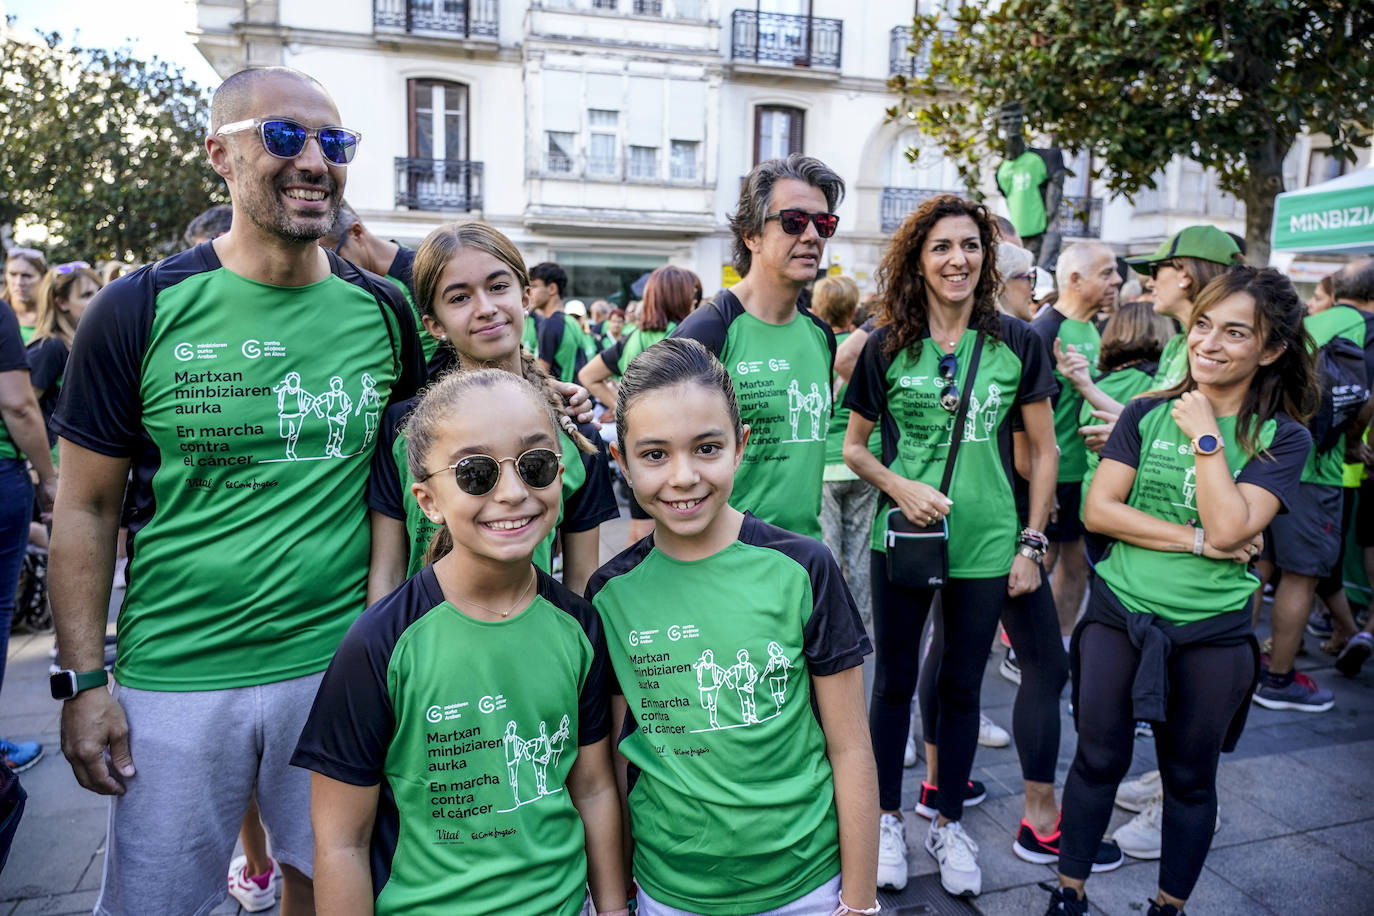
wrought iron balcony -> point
(792, 41)
(1081, 217)
(438, 184)
(901, 60)
(899, 203)
(460, 18)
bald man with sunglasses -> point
(248, 554)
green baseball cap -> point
(1206, 243)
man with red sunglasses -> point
(248, 554)
(770, 343)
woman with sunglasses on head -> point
(1187, 484)
(62, 300)
(460, 740)
(24, 270)
(941, 349)
(471, 287)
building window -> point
(559, 151)
(643, 162)
(603, 141)
(438, 120)
(777, 132)
(1323, 167)
(684, 160)
(649, 7)
(603, 4)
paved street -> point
(1297, 809)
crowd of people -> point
(368, 632)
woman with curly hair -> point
(941, 347)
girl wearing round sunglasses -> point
(937, 309)
(471, 288)
(460, 738)
(739, 653)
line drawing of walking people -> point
(776, 671)
(334, 406)
(293, 403)
(971, 420)
(815, 405)
(990, 408)
(1189, 489)
(371, 402)
(710, 677)
(559, 741)
(795, 403)
(538, 750)
(515, 749)
(743, 676)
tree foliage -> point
(1228, 83)
(102, 149)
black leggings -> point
(1032, 626)
(1207, 684)
(969, 610)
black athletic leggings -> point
(969, 609)
(1032, 626)
(1207, 684)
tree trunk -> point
(1266, 182)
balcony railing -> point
(465, 18)
(901, 60)
(438, 184)
(1081, 217)
(899, 203)
(793, 41)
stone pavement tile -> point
(1242, 821)
(1352, 841)
(81, 902)
(1294, 792)
(1014, 901)
(51, 852)
(1124, 892)
(51, 780)
(1344, 772)
(1294, 869)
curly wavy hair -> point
(901, 290)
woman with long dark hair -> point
(941, 348)
(1188, 482)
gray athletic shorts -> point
(199, 757)
(1307, 538)
(820, 902)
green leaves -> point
(101, 149)
(1230, 85)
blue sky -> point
(150, 27)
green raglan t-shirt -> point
(1173, 362)
(902, 394)
(1019, 180)
(731, 794)
(1120, 385)
(839, 422)
(1083, 337)
(781, 374)
(471, 749)
(1177, 586)
(529, 335)
(564, 346)
(619, 354)
(250, 414)
(1338, 321)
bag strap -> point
(961, 415)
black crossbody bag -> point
(918, 555)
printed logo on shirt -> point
(533, 758)
(296, 405)
(808, 413)
(255, 349)
(742, 678)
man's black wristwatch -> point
(67, 683)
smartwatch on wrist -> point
(67, 683)
(1207, 444)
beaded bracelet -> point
(844, 908)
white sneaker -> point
(246, 891)
(909, 755)
(958, 857)
(1136, 794)
(1139, 837)
(892, 870)
(990, 734)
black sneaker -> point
(1163, 909)
(1355, 654)
(929, 805)
(1044, 850)
(1320, 625)
(1064, 901)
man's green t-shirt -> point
(1179, 586)
(1173, 362)
(1120, 385)
(839, 422)
(1019, 180)
(901, 393)
(732, 801)
(529, 335)
(564, 346)
(782, 377)
(428, 342)
(1083, 337)
(470, 728)
(250, 414)
(1338, 321)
